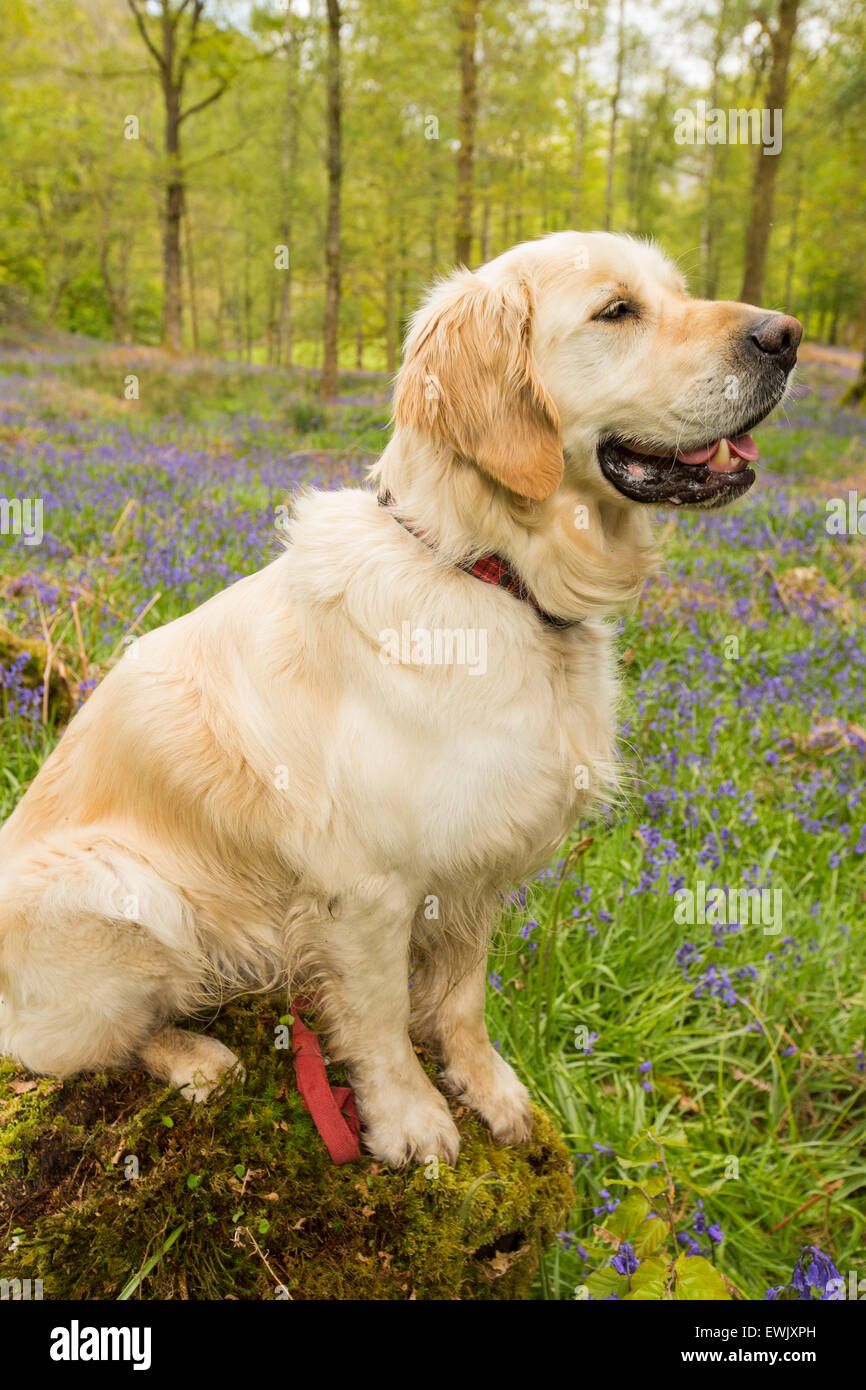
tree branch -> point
(217, 154)
(200, 105)
(142, 29)
(191, 42)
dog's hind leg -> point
(190, 1062)
(97, 953)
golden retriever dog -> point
(330, 773)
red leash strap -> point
(332, 1108)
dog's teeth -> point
(723, 461)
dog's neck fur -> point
(580, 555)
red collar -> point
(492, 569)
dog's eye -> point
(617, 309)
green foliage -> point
(80, 229)
(643, 1229)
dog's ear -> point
(468, 377)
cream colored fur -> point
(253, 797)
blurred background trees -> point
(277, 181)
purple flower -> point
(610, 1203)
(815, 1270)
(625, 1261)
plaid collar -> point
(493, 569)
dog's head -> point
(582, 356)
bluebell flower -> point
(625, 1261)
(815, 1270)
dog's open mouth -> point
(708, 476)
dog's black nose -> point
(778, 336)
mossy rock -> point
(60, 699)
(108, 1181)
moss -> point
(98, 1174)
(32, 675)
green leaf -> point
(629, 1216)
(654, 1185)
(674, 1139)
(698, 1281)
(168, 1121)
(603, 1282)
(193, 1181)
(651, 1236)
(239, 1170)
(648, 1283)
(653, 1291)
(641, 1150)
(264, 1226)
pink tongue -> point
(743, 447)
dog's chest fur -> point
(457, 767)
(496, 788)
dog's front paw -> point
(407, 1128)
(492, 1090)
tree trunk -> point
(116, 287)
(466, 129)
(767, 166)
(171, 253)
(289, 163)
(172, 61)
(190, 278)
(434, 229)
(221, 307)
(614, 115)
(856, 392)
(518, 200)
(794, 239)
(359, 331)
(578, 140)
(172, 269)
(329, 385)
(390, 334)
(486, 211)
(711, 211)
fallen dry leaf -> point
(503, 1260)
